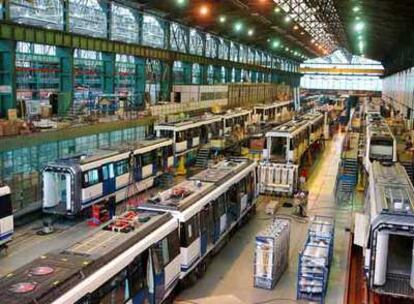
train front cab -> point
(150, 278)
(6, 216)
(60, 192)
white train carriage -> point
(233, 118)
(381, 144)
(276, 112)
(73, 184)
(6, 216)
(188, 135)
(386, 231)
(134, 258)
(288, 142)
(208, 207)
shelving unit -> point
(271, 254)
(315, 260)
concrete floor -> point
(230, 273)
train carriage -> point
(189, 135)
(386, 232)
(134, 258)
(74, 184)
(288, 142)
(277, 112)
(235, 118)
(208, 207)
(381, 144)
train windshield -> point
(5, 205)
(381, 148)
(57, 186)
(278, 149)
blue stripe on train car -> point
(204, 240)
(141, 297)
(186, 267)
(6, 234)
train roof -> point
(394, 192)
(379, 128)
(276, 104)
(179, 197)
(141, 146)
(220, 171)
(51, 275)
(295, 125)
(189, 192)
(188, 124)
(235, 113)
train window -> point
(222, 204)
(85, 300)
(173, 244)
(107, 171)
(91, 178)
(167, 133)
(137, 273)
(169, 151)
(147, 158)
(121, 167)
(113, 291)
(5, 206)
(181, 136)
(189, 231)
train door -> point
(108, 179)
(233, 205)
(204, 134)
(206, 228)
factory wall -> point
(399, 90)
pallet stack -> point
(315, 260)
(271, 254)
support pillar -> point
(187, 73)
(108, 72)
(7, 76)
(5, 12)
(166, 80)
(66, 78)
(216, 74)
(238, 75)
(140, 80)
(253, 76)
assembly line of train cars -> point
(142, 255)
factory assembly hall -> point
(206, 151)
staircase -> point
(409, 168)
(347, 180)
(202, 158)
(165, 181)
(75, 111)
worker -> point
(408, 143)
(111, 206)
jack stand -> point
(181, 170)
(47, 227)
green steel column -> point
(139, 17)
(5, 13)
(66, 75)
(167, 34)
(238, 75)
(216, 74)
(259, 77)
(108, 73)
(228, 74)
(166, 80)
(7, 76)
(66, 24)
(139, 80)
(203, 76)
(253, 77)
(108, 9)
(188, 72)
(274, 78)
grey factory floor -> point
(229, 278)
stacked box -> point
(271, 254)
(315, 260)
